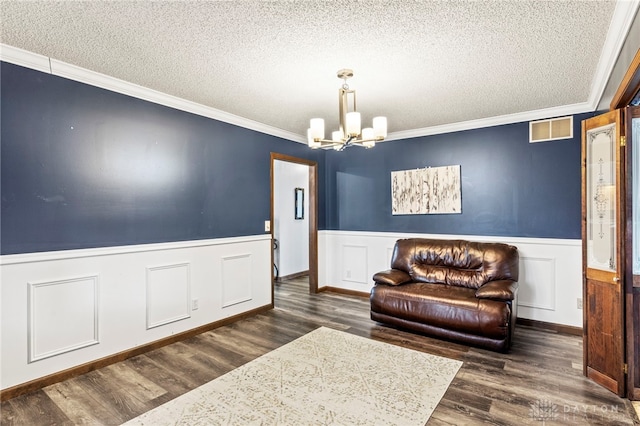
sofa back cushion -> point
(455, 262)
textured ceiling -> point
(420, 63)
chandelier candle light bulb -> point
(380, 127)
(317, 128)
(310, 140)
(353, 124)
(368, 137)
(351, 132)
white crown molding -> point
(621, 22)
(42, 63)
(623, 17)
(25, 58)
(500, 120)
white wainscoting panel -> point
(50, 317)
(63, 316)
(355, 264)
(537, 283)
(550, 269)
(168, 294)
(389, 255)
(236, 279)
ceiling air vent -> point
(551, 130)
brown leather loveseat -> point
(454, 289)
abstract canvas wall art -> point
(432, 190)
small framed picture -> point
(299, 200)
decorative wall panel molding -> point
(537, 283)
(546, 293)
(113, 291)
(63, 316)
(14, 259)
(168, 294)
(390, 254)
(355, 264)
(236, 279)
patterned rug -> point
(326, 377)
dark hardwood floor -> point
(539, 382)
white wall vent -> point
(551, 130)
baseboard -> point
(60, 376)
(344, 291)
(292, 276)
(558, 328)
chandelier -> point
(350, 132)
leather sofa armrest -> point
(498, 290)
(392, 277)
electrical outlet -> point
(267, 226)
(579, 303)
(348, 273)
(194, 304)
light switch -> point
(267, 226)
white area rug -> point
(326, 377)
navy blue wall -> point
(509, 186)
(85, 167)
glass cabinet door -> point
(601, 198)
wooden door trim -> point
(632, 282)
(629, 86)
(313, 216)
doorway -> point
(307, 214)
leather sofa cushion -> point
(455, 262)
(391, 277)
(498, 290)
(445, 306)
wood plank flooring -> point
(539, 382)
